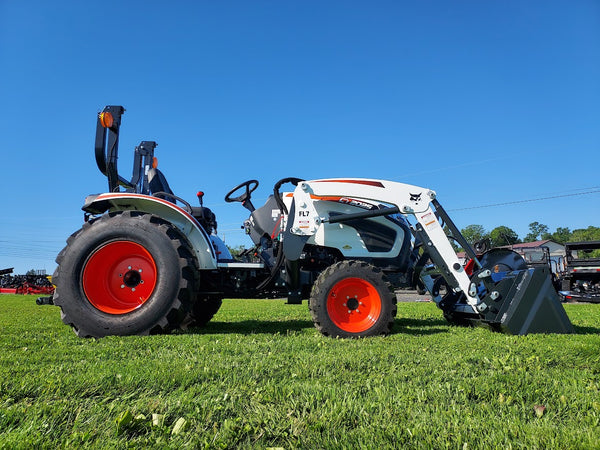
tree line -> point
(503, 235)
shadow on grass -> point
(419, 327)
(408, 326)
(401, 326)
(253, 327)
(586, 330)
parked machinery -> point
(146, 261)
(30, 283)
(581, 278)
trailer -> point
(580, 280)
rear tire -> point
(204, 309)
(352, 299)
(125, 273)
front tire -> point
(352, 299)
(125, 273)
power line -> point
(525, 201)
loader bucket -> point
(528, 303)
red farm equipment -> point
(30, 283)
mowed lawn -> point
(261, 376)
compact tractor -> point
(147, 261)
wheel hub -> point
(119, 277)
(354, 305)
(132, 278)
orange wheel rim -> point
(354, 305)
(119, 277)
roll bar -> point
(108, 125)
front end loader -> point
(497, 289)
(146, 261)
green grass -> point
(261, 376)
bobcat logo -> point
(415, 197)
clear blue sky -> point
(485, 102)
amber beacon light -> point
(106, 119)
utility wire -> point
(16, 248)
(525, 201)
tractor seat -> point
(158, 183)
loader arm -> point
(405, 199)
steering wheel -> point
(250, 186)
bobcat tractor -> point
(146, 261)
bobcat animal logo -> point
(415, 197)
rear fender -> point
(125, 201)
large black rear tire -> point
(352, 299)
(204, 309)
(125, 273)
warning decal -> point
(429, 220)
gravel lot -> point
(412, 296)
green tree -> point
(562, 235)
(474, 233)
(235, 251)
(537, 231)
(586, 234)
(503, 235)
